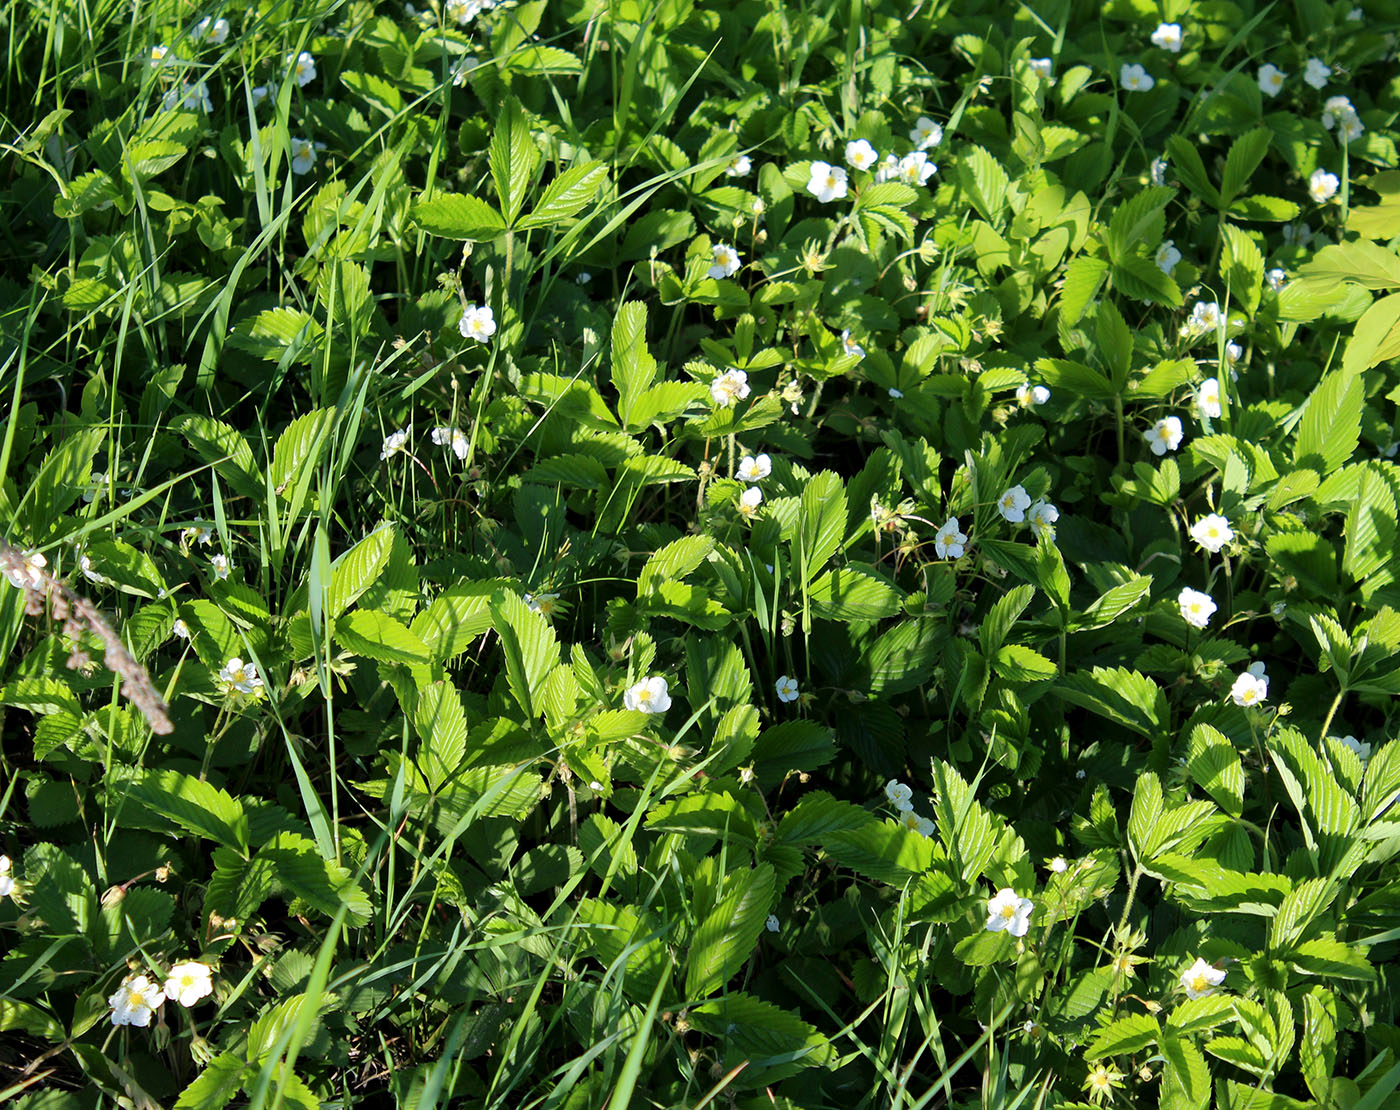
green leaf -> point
(513, 157)
(1145, 814)
(1330, 427)
(442, 726)
(770, 1043)
(1114, 603)
(714, 813)
(633, 367)
(1002, 616)
(377, 92)
(530, 647)
(725, 940)
(458, 216)
(1131, 1033)
(1115, 341)
(1246, 153)
(821, 524)
(1242, 268)
(29, 1019)
(193, 804)
(300, 870)
(1262, 209)
(881, 850)
(985, 182)
(1371, 526)
(1186, 161)
(1138, 220)
(1361, 262)
(817, 815)
(1300, 908)
(1075, 378)
(379, 636)
(1083, 277)
(620, 936)
(1186, 1078)
(299, 448)
(1215, 766)
(1127, 697)
(853, 593)
(62, 478)
(356, 570)
(790, 748)
(673, 562)
(221, 445)
(567, 194)
(216, 1086)
(59, 891)
(1017, 663)
(1374, 339)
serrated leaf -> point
(1126, 697)
(567, 194)
(674, 561)
(458, 216)
(725, 940)
(1083, 277)
(356, 570)
(513, 157)
(852, 593)
(530, 648)
(1246, 152)
(1131, 1033)
(300, 447)
(882, 850)
(377, 635)
(195, 805)
(299, 869)
(442, 725)
(216, 1085)
(1215, 766)
(59, 891)
(821, 524)
(817, 815)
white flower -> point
(1008, 910)
(860, 155)
(1233, 351)
(1251, 687)
(1271, 79)
(850, 346)
(259, 94)
(220, 565)
(927, 134)
(1168, 256)
(1165, 435)
(1276, 278)
(1044, 68)
(916, 169)
(215, 30)
(195, 97)
(1196, 607)
(1135, 79)
(1204, 318)
(1335, 109)
(302, 67)
(1201, 979)
(827, 182)
(545, 604)
(1360, 747)
(238, 677)
(757, 207)
(1208, 399)
(914, 823)
(477, 323)
(1042, 517)
(899, 795)
(188, 982)
(454, 438)
(97, 485)
(786, 688)
(1322, 186)
(88, 570)
(750, 500)
(1316, 74)
(180, 629)
(739, 166)
(1029, 396)
(303, 155)
(393, 442)
(201, 533)
(897, 394)
(31, 574)
(1059, 865)
(772, 924)
(159, 56)
(887, 170)
(1168, 37)
(650, 695)
(1212, 532)
(1013, 504)
(1356, 15)
(754, 468)
(1157, 172)
(7, 881)
(729, 387)
(949, 541)
(462, 69)
(135, 1001)
(726, 261)
(1350, 127)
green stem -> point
(1132, 894)
(1332, 712)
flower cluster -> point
(139, 997)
